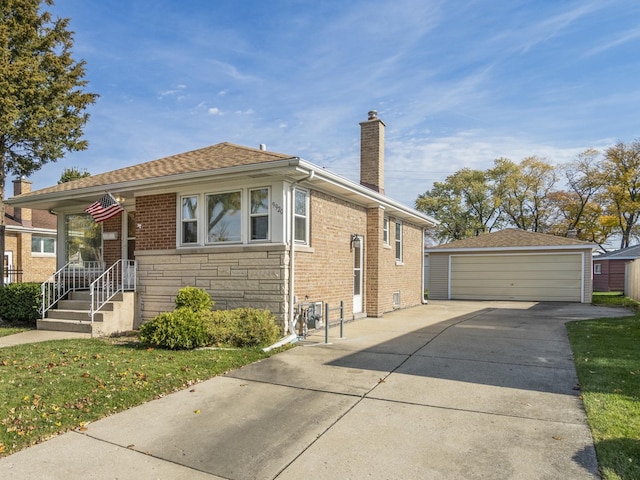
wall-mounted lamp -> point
(355, 241)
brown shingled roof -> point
(39, 219)
(509, 238)
(221, 155)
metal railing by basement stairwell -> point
(69, 278)
(119, 277)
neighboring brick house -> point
(30, 241)
(227, 218)
(609, 269)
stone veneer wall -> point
(233, 276)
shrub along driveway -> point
(446, 390)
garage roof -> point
(512, 239)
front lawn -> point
(50, 387)
(5, 329)
(614, 299)
(607, 358)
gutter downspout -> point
(424, 299)
(292, 243)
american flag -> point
(104, 208)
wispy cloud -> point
(625, 37)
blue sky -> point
(458, 83)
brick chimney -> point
(372, 152)
(22, 215)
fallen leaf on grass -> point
(197, 412)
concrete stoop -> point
(73, 315)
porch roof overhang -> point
(67, 198)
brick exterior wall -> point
(404, 277)
(156, 216)
(257, 275)
(372, 154)
(324, 272)
(112, 249)
(34, 268)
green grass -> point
(50, 387)
(10, 330)
(614, 299)
(607, 358)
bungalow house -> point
(251, 227)
(30, 241)
(609, 269)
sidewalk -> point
(449, 390)
(35, 336)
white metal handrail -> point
(71, 277)
(119, 277)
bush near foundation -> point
(244, 327)
(192, 325)
(20, 302)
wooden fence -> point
(632, 279)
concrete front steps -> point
(73, 315)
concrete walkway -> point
(35, 336)
(449, 390)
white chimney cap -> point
(373, 114)
(263, 147)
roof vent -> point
(373, 114)
(263, 147)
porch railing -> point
(119, 277)
(71, 277)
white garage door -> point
(532, 277)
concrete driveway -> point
(449, 390)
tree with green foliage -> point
(523, 190)
(42, 102)
(621, 199)
(71, 174)
(464, 203)
(578, 209)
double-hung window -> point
(301, 216)
(259, 214)
(224, 217)
(385, 231)
(189, 231)
(398, 241)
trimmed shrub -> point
(181, 329)
(20, 302)
(193, 298)
(193, 324)
(253, 327)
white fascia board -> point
(367, 196)
(511, 249)
(43, 231)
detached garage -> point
(512, 265)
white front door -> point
(357, 274)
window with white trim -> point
(189, 218)
(301, 216)
(224, 217)
(43, 245)
(398, 241)
(259, 214)
(597, 268)
(385, 231)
